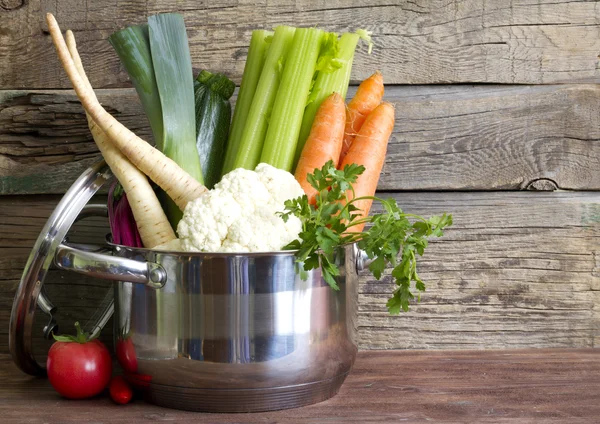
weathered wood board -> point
(446, 137)
(518, 269)
(45, 142)
(524, 386)
(416, 42)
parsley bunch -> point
(392, 239)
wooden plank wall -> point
(498, 122)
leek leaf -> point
(175, 82)
(133, 48)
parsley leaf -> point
(392, 239)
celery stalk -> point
(284, 126)
(328, 82)
(253, 136)
(252, 71)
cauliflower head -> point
(240, 213)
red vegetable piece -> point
(120, 217)
(120, 390)
(78, 367)
(139, 381)
(125, 351)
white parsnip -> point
(178, 184)
(150, 218)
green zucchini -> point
(213, 117)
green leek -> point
(133, 48)
(252, 71)
(173, 72)
(284, 125)
(157, 59)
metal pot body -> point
(198, 331)
(236, 332)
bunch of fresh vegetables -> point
(339, 170)
(290, 109)
(289, 72)
(287, 75)
(189, 118)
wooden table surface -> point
(534, 385)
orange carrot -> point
(368, 96)
(324, 142)
(368, 149)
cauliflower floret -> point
(282, 185)
(206, 221)
(246, 186)
(239, 214)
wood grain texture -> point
(481, 137)
(515, 270)
(518, 269)
(45, 142)
(416, 42)
(524, 386)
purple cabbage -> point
(122, 223)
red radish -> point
(139, 381)
(120, 390)
(125, 351)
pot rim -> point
(145, 251)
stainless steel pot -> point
(201, 331)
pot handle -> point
(109, 267)
(45, 304)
